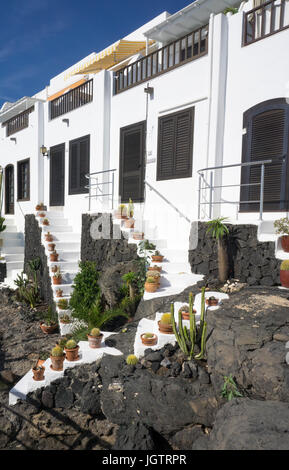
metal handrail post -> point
(262, 192)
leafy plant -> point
(65, 319)
(130, 279)
(62, 304)
(28, 290)
(231, 10)
(219, 231)
(2, 226)
(85, 291)
(230, 389)
(50, 318)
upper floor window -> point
(79, 155)
(19, 122)
(264, 20)
(175, 145)
(23, 180)
(72, 99)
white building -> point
(186, 92)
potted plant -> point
(53, 256)
(40, 207)
(284, 273)
(71, 350)
(156, 275)
(151, 285)
(51, 247)
(59, 292)
(57, 277)
(155, 268)
(62, 304)
(48, 237)
(38, 372)
(95, 338)
(149, 339)
(54, 269)
(129, 223)
(42, 358)
(45, 222)
(2, 228)
(57, 357)
(138, 235)
(282, 228)
(212, 301)
(157, 257)
(185, 311)
(49, 324)
(42, 215)
(65, 319)
(165, 324)
(121, 212)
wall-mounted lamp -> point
(13, 139)
(149, 90)
(44, 151)
(66, 121)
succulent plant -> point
(285, 265)
(58, 273)
(166, 319)
(45, 221)
(151, 280)
(95, 332)
(65, 319)
(153, 274)
(148, 335)
(71, 344)
(212, 298)
(62, 304)
(131, 360)
(157, 253)
(57, 351)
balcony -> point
(18, 122)
(177, 53)
(265, 20)
(72, 99)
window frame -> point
(78, 190)
(20, 198)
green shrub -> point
(85, 291)
(230, 389)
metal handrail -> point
(167, 201)
(212, 187)
(90, 177)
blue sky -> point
(41, 38)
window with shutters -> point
(266, 138)
(23, 180)
(175, 145)
(79, 155)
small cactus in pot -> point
(59, 292)
(48, 237)
(212, 301)
(65, 319)
(38, 371)
(151, 284)
(57, 357)
(95, 338)
(45, 222)
(57, 277)
(71, 350)
(149, 339)
(51, 247)
(54, 256)
(62, 304)
(157, 257)
(166, 324)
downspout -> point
(211, 34)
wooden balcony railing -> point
(190, 47)
(71, 100)
(19, 122)
(265, 20)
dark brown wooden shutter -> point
(79, 156)
(57, 175)
(266, 139)
(175, 145)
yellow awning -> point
(111, 56)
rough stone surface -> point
(138, 436)
(251, 261)
(3, 271)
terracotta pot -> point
(212, 302)
(53, 257)
(51, 246)
(138, 235)
(186, 315)
(285, 243)
(129, 223)
(49, 238)
(166, 329)
(56, 280)
(149, 341)
(39, 207)
(48, 330)
(45, 222)
(151, 287)
(59, 294)
(72, 354)
(119, 215)
(284, 278)
(155, 268)
(41, 215)
(38, 374)
(157, 259)
(54, 269)
(40, 362)
(94, 341)
(57, 362)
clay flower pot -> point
(42, 215)
(166, 329)
(72, 354)
(54, 269)
(149, 341)
(59, 293)
(129, 223)
(212, 302)
(95, 341)
(56, 280)
(157, 258)
(51, 246)
(138, 235)
(151, 286)
(155, 268)
(45, 222)
(285, 243)
(284, 278)
(48, 237)
(39, 207)
(48, 329)
(57, 362)
(40, 362)
(53, 256)
(38, 373)
(186, 315)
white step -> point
(15, 257)
(7, 249)
(64, 237)
(67, 246)
(6, 236)
(64, 265)
(176, 268)
(174, 255)
(66, 288)
(54, 229)
(173, 286)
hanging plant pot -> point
(38, 373)
(95, 341)
(138, 235)
(285, 243)
(57, 362)
(129, 223)
(51, 246)
(48, 329)
(149, 339)
(72, 354)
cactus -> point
(95, 332)
(71, 344)
(131, 360)
(285, 265)
(203, 341)
(151, 280)
(57, 351)
(154, 274)
(148, 335)
(166, 319)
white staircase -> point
(12, 251)
(67, 245)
